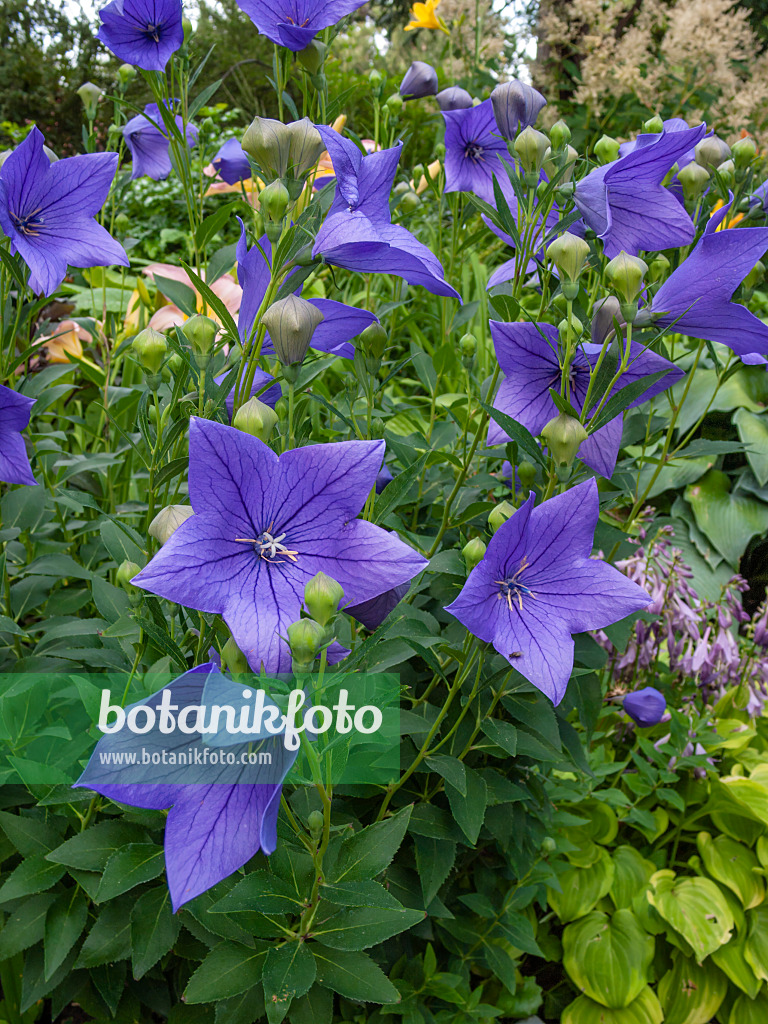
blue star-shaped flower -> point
(142, 32)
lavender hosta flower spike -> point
(625, 203)
(537, 585)
(231, 163)
(263, 526)
(146, 139)
(696, 298)
(474, 150)
(142, 32)
(212, 828)
(358, 233)
(646, 707)
(340, 323)
(15, 410)
(294, 23)
(47, 210)
(528, 356)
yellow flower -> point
(727, 222)
(424, 16)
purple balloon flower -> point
(516, 105)
(333, 334)
(528, 355)
(473, 151)
(47, 211)
(454, 98)
(146, 139)
(232, 163)
(419, 80)
(294, 23)
(15, 410)
(696, 298)
(372, 613)
(625, 203)
(646, 706)
(358, 232)
(537, 584)
(672, 124)
(264, 526)
(384, 478)
(142, 32)
(269, 397)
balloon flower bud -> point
(410, 202)
(562, 162)
(321, 598)
(473, 553)
(646, 707)
(605, 314)
(559, 135)
(187, 28)
(125, 573)
(255, 418)
(233, 658)
(126, 73)
(755, 277)
(468, 346)
(693, 179)
(711, 152)
(727, 172)
(515, 104)
(269, 143)
(531, 147)
(305, 638)
(312, 57)
(569, 254)
(316, 823)
(526, 474)
(653, 126)
(564, 436)
(626, 274)
(90, 94)
(168, 520)
(375, 78)
(291, 322)
(658, 268)
(373, 341)
(499, 515)
(548, 845)
(306, 146)
(606, 149)
(420, 80)
(150, 348)
(454, 98)
(394, 104)
(273, 201)
(200, 331)
(744, 152)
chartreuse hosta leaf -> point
(632, 872)
(608, 957)
(756, 946)
(729, 520)
(750, 1011)
(582, 888)
(733, 864)
(643, 1010)
(695, 908)
(731, 960)
(691, 993)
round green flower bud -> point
(531, 147)
(410, 202)
(374, 340)
(693, 178)
(653, 126)
(274, 200)
(564, 436)
(269, 143)
(150, 348)
(312, 57)
(526, 474)
(305, 638)
(321, 598)
(570, 325)
(125, 573)
(473, 553)
(306, 146)
(187, 28)
(418, 172)
(606, 149)
(256, 418)
(394, 104)
(200, 331)
(658, 268)
(625, 274)
(168, 520)
(569, 254)
(177, 366)
(548, 845)
(755, 277)
(727, 171)
(559, 135)
(555, 162)
(499, 515)
(711, 152)
(126, 73)
(90, 95)
(233, 658)
(468, 346)
(291, 322)
(375, 77)
(316, 823)
(744, 152)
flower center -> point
(474, 151)
(291, 21)
(28, 225)
(153, 31)
(270, 548)
(512, 588)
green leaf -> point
(25, 925)
(289, 971)
(119, 543)
(395, 493)
(316, 1007)
(502, 733)
(365, 893)
(582, 888)
(501, 963)
(228, 970)
(469, 808)
(91, 849)
(695, 908)
(353, 975)
(260, 891)
(369, 851)
(691, 991)
(111, 602)
(734, 865)
(434, 860)
(154, 929)
(517, 432)
(731, 960)
(110, 937)
(632, 872)
(616, 405)
(64, 925)
(608, 958)
(644, 1010)
(753, 431)
(756, 946)
(750, 1011)
(29, 835)
(179, 294)
(136, 863)
(35, 874)
(729, 520)
(449, 768)
(360, 927)
(200, 101)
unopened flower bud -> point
(419, 80)
(125, 573)
(744, 152)
(126, 73)
(305, 147)
(564, 435)
(168, 520)
(291, 322)
(516, 105)
(312, 57)
(232, 658)
(316, 823)
(561, 163)
(559, 135)
(273, 201)
(177, 366)
(499, 515)
(605, 314)
(526, 474)
(646, 707)
(150, 348)
(531, 147)
(305, 638)
(255, 418)
(200, 331)
(693, 178)
(570, 326)
(755, 277)
(394, 104)
(658, 268)
(711, 152)
(653, 126)
(569, 254)
(90, 94)
(473, 553)
(625, 274)
(269, 143)
(727, 172)
(321, 598)
(122, 223)
(187, 28)
(410, 202)
(453, 98)
(468, 346)
(606, 149)
(373, 341)
(548, 845)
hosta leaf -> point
(691, 992)
(695, 908)
(734, 865)
(582, 888)
(608, 957)
(644, 1010)
(730, 520)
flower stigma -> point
(269, 547)
(29, 224)
(473, 151)
(511, 587)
